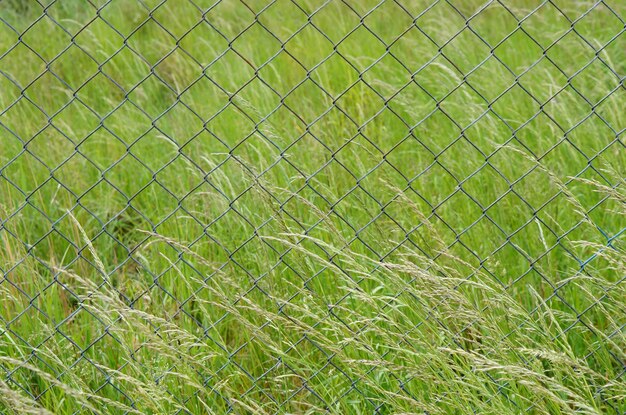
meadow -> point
(312, 206)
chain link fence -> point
(307, 206)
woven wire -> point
(97, 95)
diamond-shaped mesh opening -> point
(334, 181)
(482, 23)
(73, 16)
(595, 81)
(388, 33)
(539, 135)
(185, 183)
(460, 149)
(437, 131)
(612, 49)
(323, 20)
(145, 197)
(464, 105)
(232, 220)
(412, 201)
(209, 144)
(569, 62)
(230, 126)
(9, 35)
(434, 174)
(322, 47)
(30, 326)
(356, 199)
(205, 98)
(102, 149)
(112, 13)
(125, 61)
(62, 67)
(283, 18)
(412, 104)
(546, 13)
(178, 69)
(115, 175)
(309, 101)
(403, 49)
(427, 16)
(615, 121)
(483, 247)
(544, 80)
(309, 166)
(512, 172)
(257, 153)
(604, 163)
(499, 76)
(77, 185)
(56, 40)
(49, 93)
(283, 73)
(350, 47)
(10, 64)
(179, 124)
(466, 51)
(385, 188)
(90, 39)
(117, 123)
(257, 99)
(538, 183)
(588, 28)
(179, 27)
(12, 145)
(387, 130)
(439, 78)
(12, 91)
(223, 72)
(577, 161)
(11, 15)
(101, 94)
(360, 114)
(527, 106)
(152, 96)
(457, 202)
(333, 84)
(577, 107)
(534, 240)
(511, 202)
(151, 41)
(21, 109)
(246, 41)
(592, 125)
(527, 52)
(38, 172)
(229, 18)
(203, 43)
(49, 138)
(387, 66)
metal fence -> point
(219, 169)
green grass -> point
(308, 207)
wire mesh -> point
(181, 156)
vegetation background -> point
(306, 206)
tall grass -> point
(308, 207)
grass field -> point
(307, 206)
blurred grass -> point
(299, 206)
